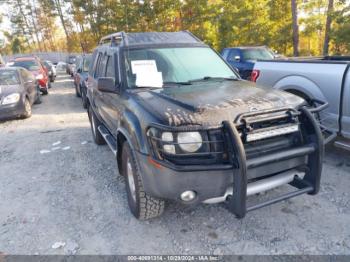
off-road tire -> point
(94, 122)
(27, 109)
(145, 206)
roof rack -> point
(114, 39)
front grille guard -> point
(312, 149)
(318, 106)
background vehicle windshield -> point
(29, 65)
(180, 64)
(8, 77)
(257, 53)
(86, 64)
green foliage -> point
(77, 25)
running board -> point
(342, 145)
(111, 142)
(261, 185)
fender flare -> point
(302, 85)
(130, 128)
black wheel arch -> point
(300, 94)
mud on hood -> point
(210, 103)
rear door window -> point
(101, 68)
(97, 64)
(110, 69)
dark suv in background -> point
(243, 58)
(184, 126)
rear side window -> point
(98, 58)
(110, 70)
(101, 66)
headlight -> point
(189, 141)
(168, 137)
(11, 99)
(39, 76)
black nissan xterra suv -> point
(184, 126)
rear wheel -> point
(98, 138)
(27, 109)
(142, 205)
(46, 90)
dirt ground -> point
(56, 186)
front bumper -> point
(164, 181)
(12, 110)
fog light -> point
(188, 195)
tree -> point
(328, 26)
(16, 46)
(295, 27)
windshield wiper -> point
(208, 78)
(177, 83)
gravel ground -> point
(58, 186)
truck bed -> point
(323, 78)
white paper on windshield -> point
(149, 79)
(147, 74)
(141, 66)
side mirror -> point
(237, 58)
(107, 85)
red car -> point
(39, 71)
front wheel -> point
(27, 109)
(142, 205)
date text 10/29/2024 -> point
(173, 258)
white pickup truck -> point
(315, 79)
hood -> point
(210, 103)
(9, 89)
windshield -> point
(8, 77)
(165, 65)
(257, 53)
(29, 65)
(86, 64)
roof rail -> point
(191, 34)
(114, 39)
